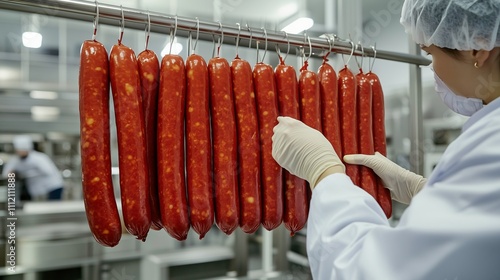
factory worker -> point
(42, 178)
(451, 228)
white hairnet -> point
(23, 143)
(454, 24)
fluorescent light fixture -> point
(32, 39)
(176, 48)
(299, 25)
(44, 113)
(41, 94)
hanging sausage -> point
(198, 145)
(295, 200)
(97, 184)
(149, 73)
(248, 144)
(271, 171)
(225, 147)
(132, 160)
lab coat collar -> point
(494, 105)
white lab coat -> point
(38, 170)
(450, 231)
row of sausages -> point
(194, 140)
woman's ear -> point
(480, 57)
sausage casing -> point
(149, 73)
(295, 189)
(97, 184)
(349, 120)
(132, 159)
(378, 114)
(198, 146)
(368, 180)
(330, 116)
(310, 99)
(248, 145)
(171, 170)
(224, 136)
(271, 172)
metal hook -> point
(213, 43)
(360, 65)
(190, 43)
(197, 33)
(374, 48)
(148, 30)
(288, 46)
(122, 26)
(352, 53)
(265, 44)
(330, 47)
(282, 60)
(331, 43)
(310, 49)
(238, 39)
(278, 51)
(96, 19)
(172, 36)
(221, 38)
(251, 34)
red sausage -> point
(98, 196)
(225, 147)
(171, 176)
(134, 179)
(310, 98)
(378, 113)
(349, 120)
(149, 73)
(272, 177)
(310, 102)
(248, 145)
(198, 146)
(295, 188)
(330, 117)
(368, 180)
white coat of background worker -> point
(43, 179)
(451, 229)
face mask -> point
(458, 104)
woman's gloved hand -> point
(403, 184)
(304, 151)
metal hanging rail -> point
(162, 23)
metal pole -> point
(136, 19)
(416, 118)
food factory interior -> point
(48, 54)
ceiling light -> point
(32, 39)
(176, 48)
(41, 94)
(299, 25)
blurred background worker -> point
(41, 176)
(451, 229)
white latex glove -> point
(403, 184)
(303, 151)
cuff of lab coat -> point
(337, 194)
